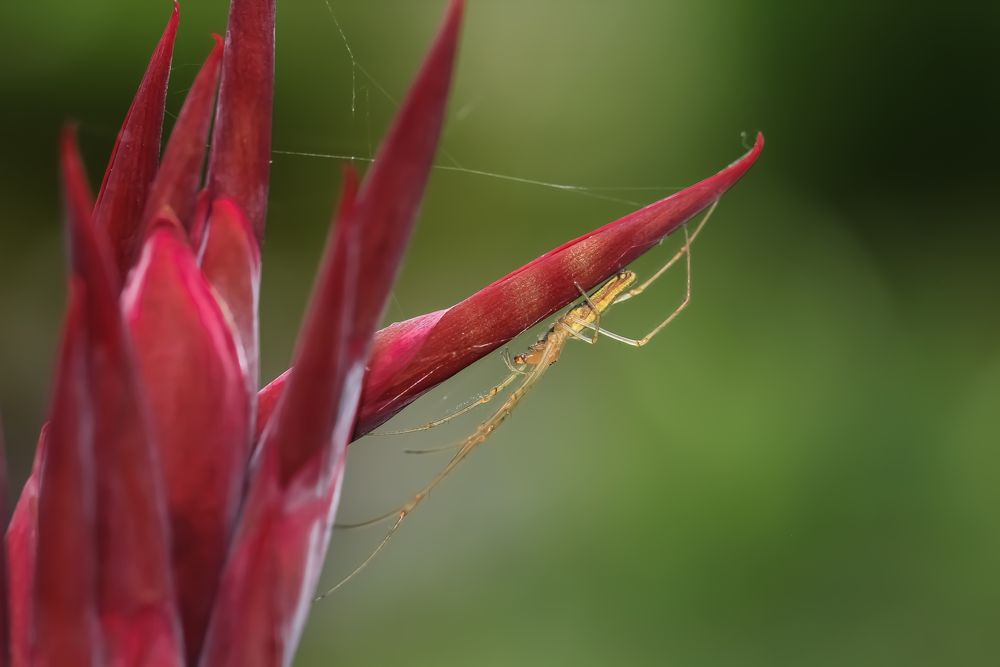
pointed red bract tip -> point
(230, 260)
(267, 398)
(77, 198)
(389, 199)
(130, 171)
(76, 184)
(326, 383)
(89, 253)
(240, 161)
(179, 177)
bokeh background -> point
(803, 470)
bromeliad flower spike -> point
(174, 514)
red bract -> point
(411, 357)
(174, 515)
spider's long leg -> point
(639, 342)
(480, 436)
(684, 250)
(597, 316)
(563, 325)
(482, 400)
(433, 450)
(400, 514)
(365, 562)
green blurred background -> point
(803, 470)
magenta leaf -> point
(281, 544)
(66, 623)
(240, 162)
(272, 567)
(192, 372)
(135, 591)
(130, 172)
(230, 261)
(178, 179)
(239, 168)
(21, 548)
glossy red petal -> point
(494, 315)
(268, 401)
(285, 524)
(272, 570)
(130, 171)
(329, 352)
(240, 161)
(279, 550)
(66, 627)
(136, 597)
(192, 374)
(21, 548)
(407, 339)
(76, 190)
(179, 177)
(412, 357)
(231, 262)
